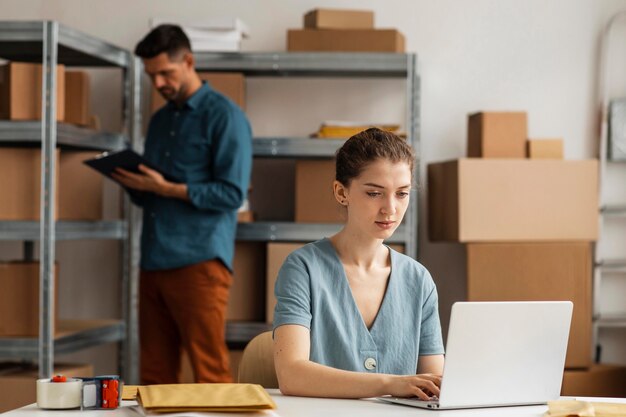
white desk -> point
(320, 407)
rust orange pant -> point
(184, 308)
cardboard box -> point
(339, 19)
(246, 301)
(497, 135)
(537, 272)
(490, 200)
(20, 91)
(230, 84)
(599, 380)
(245, 216)
(19, 299)
(315, 201)
(18, 383)
(352, 40)
(20, 179)
(544, 148)
(80, 187)
(276, 255)
(77, 98)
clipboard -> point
(127, 159)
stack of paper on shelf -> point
(215, 34)
(343, 129)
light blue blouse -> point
(312, 290)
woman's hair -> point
(366, 147)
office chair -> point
(257, 362)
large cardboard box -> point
(77, 98)
(352, 40)
(18, 383)
(20, 179)
(537, 272)
(80, 187)
(20, 91)
(598, 381)
(483, 200)
(315, 201)
(19, 299)
(544, 148)
(230, 84)
(339, 19)
(276, 255)
(497, 135)
(246, 301)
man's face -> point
(170, 75)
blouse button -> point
(370, 363)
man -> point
(187, 244)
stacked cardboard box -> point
(79, 189)
(19, 299)
(343, 31)
(20, 91)
(77, 98)
(528, 218)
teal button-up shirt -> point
(206, 144)
(312, 290)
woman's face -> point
(378, 198)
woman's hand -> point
(422, 386)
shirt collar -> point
(193, 101)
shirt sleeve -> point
(231, 165)
(293, 295)
(431, 341)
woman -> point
(355, 318)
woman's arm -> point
(297, 375)
(430, 364)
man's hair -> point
(164, 38)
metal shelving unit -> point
(321, 65)
(51, 43)
(608, 213)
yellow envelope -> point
(566, 408)
(172, 398)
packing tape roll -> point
(59, 395)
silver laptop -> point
(502, 354)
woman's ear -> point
(340, 192)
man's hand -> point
(151, 181)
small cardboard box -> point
(349, 40)
(18, 383)
(246, 301)
(339, 19)
(496, 200)
(497, 135)
(544, 148)
(537, 272)
(77, 98)
(315, 201)
(598, 381)
(20, 91)
(20, 183)
(80, 187)
(19, 298)
(230, 84)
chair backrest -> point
(257, 362)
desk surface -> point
(314, 407)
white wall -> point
(534, 55)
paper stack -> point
(343, 130)
(216, 34)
